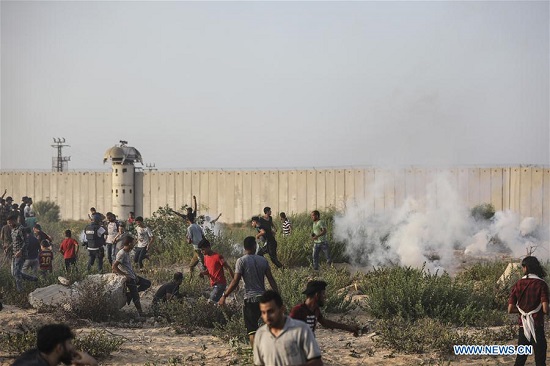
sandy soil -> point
(156, 344)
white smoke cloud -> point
(430, 231)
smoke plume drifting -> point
(429, 231)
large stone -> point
(115, 286)
(52, 296)
(58, 295)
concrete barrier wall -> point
(239, 194)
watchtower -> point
(123, 158)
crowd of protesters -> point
(281, 340)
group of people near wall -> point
(282, 339)
(26, 247)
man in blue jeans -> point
(19, 246)
(319, 237)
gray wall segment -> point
(241, 194)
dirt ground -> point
(153, 343)
(156, 344)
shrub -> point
(93, 303)
(484, 211)
(413, 294)
(170, 236)
(292, 282)
(190, 313)
(8, 293)
(483, 278)
(99, 343)
(17, 343)
(233, 330)
(47, 211)
(427, 334)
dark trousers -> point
(111, 252)
(18, 274)
(270, 248)
(136, 286)
(70, 262)
(93, 255)
(139, 256)
(539, 348)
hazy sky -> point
(276, 84)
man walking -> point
(145, 238)
(283, 341)
(95, 239)
(253, 269)
(114, 231)
(19, 249)
(319, 237)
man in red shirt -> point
(529, 297)
(214, 264)
(310, 312)
(69, 249)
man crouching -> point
(134, 284)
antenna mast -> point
(60, 163)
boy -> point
(529, 297)
(45, 257)
(69, 249)
(145, 238)
(287, 226)
(214, 264)
(134, 283)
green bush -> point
(483, 278)
(93, 303)
(292, 282)
(233, 330)
(421, 336)
(413, 294)
(47, 211)
(425, 335)
(8, 293)
(170, 231)
(99, 343)
(17, 343)
(190, 313)
(484, 211)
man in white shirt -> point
(283, 341)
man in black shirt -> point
(265, 231)
(167, 292)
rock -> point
(59, 295)
(53, 295)
(115, 286)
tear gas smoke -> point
(429, 231)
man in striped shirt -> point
(287, 226)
